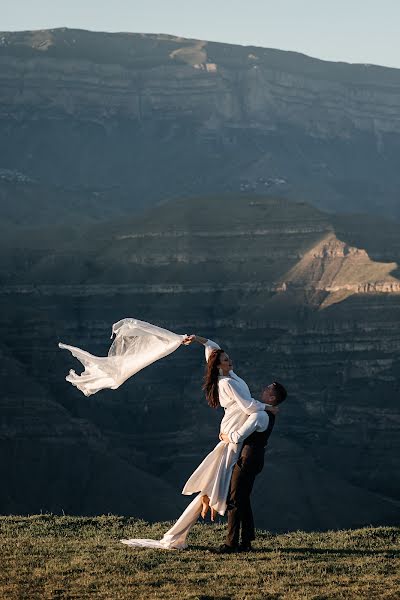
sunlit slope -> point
(340, 270)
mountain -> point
(26, 202)
(126, 120)
(291, 292)
(334, 267)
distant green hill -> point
(46, 557)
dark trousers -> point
(240, 514)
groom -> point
(254, 434)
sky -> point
(363, 31)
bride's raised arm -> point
(232, 387)
(209, 345)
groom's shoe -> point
(225, 549)
(245, 547)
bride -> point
(212, 477)
(138, 344)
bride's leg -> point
(205, 505)
(176, 536)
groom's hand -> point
(188, 339)
(224, 438)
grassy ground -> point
(43, 557)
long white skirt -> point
(211, 478)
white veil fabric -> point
(137, 344)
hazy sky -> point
(365, 31)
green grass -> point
(48, 556)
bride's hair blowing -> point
(210, 385)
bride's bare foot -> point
(205, 505)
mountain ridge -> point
(45, 43)
(153, 127)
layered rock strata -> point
(153, 117)
(336, 437)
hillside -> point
(30, 203)
(261, 278)
(45, 556)
(141, 118)
(338, 270)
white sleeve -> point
(247, 405)
(255, 422)
(209, 346)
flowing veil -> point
(137, 344)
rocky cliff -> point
(154, 116)
(288, 290)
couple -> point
(225, 478)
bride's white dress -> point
(212, 476)
(138, 344)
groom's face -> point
(269, 396)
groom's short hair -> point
(279, 392)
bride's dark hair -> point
(210, 384)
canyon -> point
(246, 194)
(281, 285)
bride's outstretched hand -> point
(188, 339)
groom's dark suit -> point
(250, 463)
